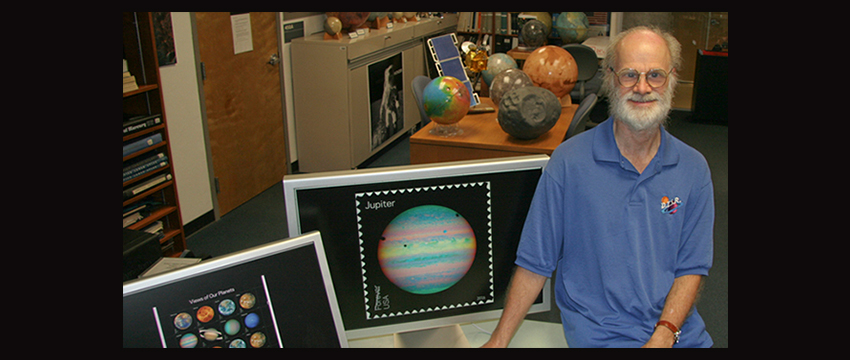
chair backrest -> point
(586, 60)
(418, 84)
(579, 122)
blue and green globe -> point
(572, 27)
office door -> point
(244, 106)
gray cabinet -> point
(352, 97)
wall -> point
(185, 124)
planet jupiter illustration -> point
(426, 249)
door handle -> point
(274, 60)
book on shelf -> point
(143, 206)
(132, 219)
(142, 143)
(156, 228)
(140, 210)
(130, 82)
(145, 186)
(140, 122)
(145, 165)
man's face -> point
(641, 106)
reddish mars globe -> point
(552, 68)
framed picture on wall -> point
(386, 86)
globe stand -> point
(446, 130)
(566, 101)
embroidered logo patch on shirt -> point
(670, 206)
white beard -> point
(641, 119)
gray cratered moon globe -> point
(528, 112)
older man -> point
(624, 213)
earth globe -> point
(497, 63)
(506, 81)
(534, 33)
(572, 27)
(446, 100)
(528, 112)
(553, 68)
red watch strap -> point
(668, 325)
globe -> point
(528, 112)
(375, 15)
(572, 27)
(506, 81)
(534, 33)
(552, 68)
(495, 64)
(446, 100)
(427, 249)
(350, 20)
(333, 25)
(544, 17)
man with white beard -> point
(624, 213)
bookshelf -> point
(150, 189)
(498, 30)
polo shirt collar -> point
(605, 146)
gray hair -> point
(612, 56)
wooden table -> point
(483, 138)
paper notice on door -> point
(241, 26)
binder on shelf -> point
(142, 143)
(144, 166)
(145, 186)
(141, 122)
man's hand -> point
(661, 338)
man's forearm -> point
(524, 288)
(680, 301)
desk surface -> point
(531, 334)
(483, 138)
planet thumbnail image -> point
(252, 320)
(188, 341)
(258, 339)
(182, 321)
(205, 314)
(237, 344)
(426, 249)
(210, 334)
(247, 300)
(226, 307)
(232, 327)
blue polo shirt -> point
(618, 238)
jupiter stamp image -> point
(425, 249)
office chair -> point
(588, 66)
(418, 85)
(579, 122)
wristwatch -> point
(673, 328)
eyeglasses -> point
(656, 78)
